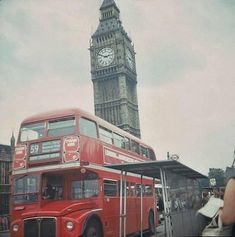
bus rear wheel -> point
(151, 223)
(93, 229)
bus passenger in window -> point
(48, 192)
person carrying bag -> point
(211, 211)
(221, 213)
(217, 228)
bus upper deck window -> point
(61, 127)
(127, 143)
(144, 151)
(135, 147)
(88, 127)
(118, 140)
(152, 154)
(32, 132)
(105, 135)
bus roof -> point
(50, 115)
(62, 113)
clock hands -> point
(105, 56)
(101, 55)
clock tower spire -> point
(113, 71)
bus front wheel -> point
(93, 229)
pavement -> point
(160, 231)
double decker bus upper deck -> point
(65, 136)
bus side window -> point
(127, 189)
(88, 128)
(118, 140)
(135, 147)
(110, 188)
(123, 189)
(152, 154)
(148, 190)
(105, 135)
(138, 190)
(127, 144)
(76, 190)
(86, 187)
(132, 189)
(144, 151)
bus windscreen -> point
(32, 131)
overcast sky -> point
(185, 66)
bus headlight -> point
(69, 225)
(15, 228)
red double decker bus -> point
(61, 185)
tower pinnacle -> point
(12, 140)
(108, 3)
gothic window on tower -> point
(109, 90)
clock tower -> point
(113, 71)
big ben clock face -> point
(105, 57)
(130, 59)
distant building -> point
(230, 172)
(5, 167)
(113, 71)
(216, 177)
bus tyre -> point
(151, 223)
(93, 229)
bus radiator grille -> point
(40, 227)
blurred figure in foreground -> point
(227, 213)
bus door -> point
(128, 222)
(132, 211)
(139, 215)
(111, 207)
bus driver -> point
(47, 191)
